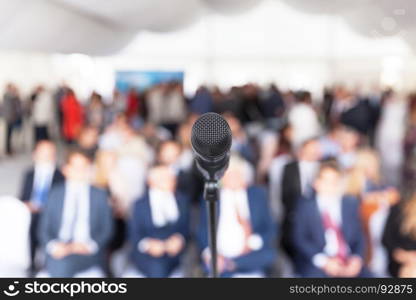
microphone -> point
(211, 142)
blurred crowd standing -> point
(315, 187)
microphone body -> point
(211, 142)
(212, 170)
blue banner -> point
(142, 80)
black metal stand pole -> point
(211, 196)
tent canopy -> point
(99, 27)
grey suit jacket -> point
(101, 229)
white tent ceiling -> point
(94, 26)
(100, 27)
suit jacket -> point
(141, 226)
(261, 224)
(27, 187)
(394, 238)
(360, 116)
(101, 229)
(308, 235)
(291, 192)
(291, 186)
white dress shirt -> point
(163, 207)
(231, 236)
(75, 225)
(164, 211)
(307, 172)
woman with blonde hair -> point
(365, 173)
(104, 163)
(366, 183)
(400, 238)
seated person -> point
(88, 141)
(297, 177)
(169, 154)
(76, 224)
(327, 234)
(241, 143)
(400, 238)
(38, 181)
(246, 232)
(159, 227)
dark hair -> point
(285, 145)
(77, 151)
(329, 164)
(303, 97)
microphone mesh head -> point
(211, 136)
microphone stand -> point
(211, 195)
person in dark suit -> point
(38, 181)
(76, 223)
(246, 233)
(360, 116)
(159, 227)
(400, 238)
(296, 180)
(12, 112)
(241, 143)
(327, 234)
(169, 154)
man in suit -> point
(246, 233)
(159, 227)
(241, 143)
(76, 223)
(296, 181)
(37, 183)
(12, 113)
(327, 232)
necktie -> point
(75, 214)
(41, 193)
(329, 224)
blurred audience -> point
(38, 181)
(43, 114)
(390, 134)
(365, 183)
(159, 227)
(129, 204)
(297, 178)
(76, 224)
(327, 233)
(12, 110)
(246, 231)
(73, 116)
(303, 119)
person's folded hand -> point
(156, 248)
(60, 250)
(80, 249)
(333, 267)
(174, 244)
(352, 267)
